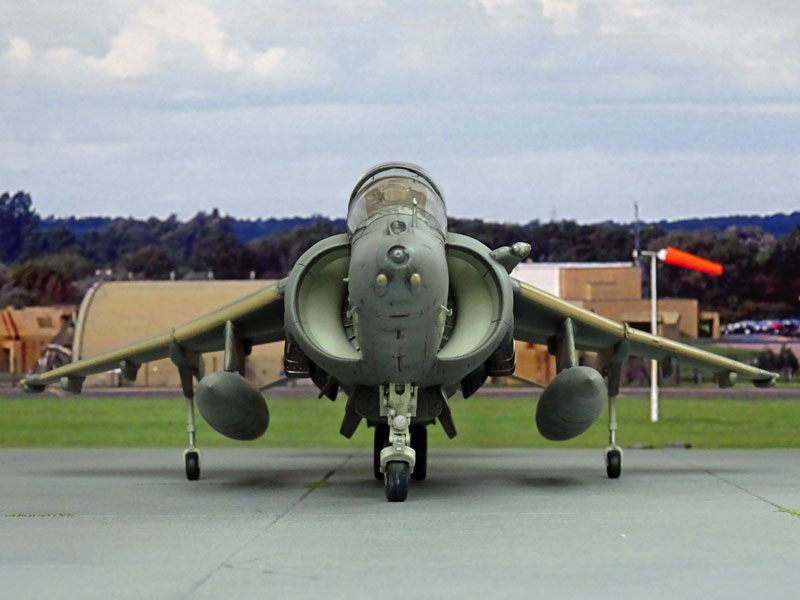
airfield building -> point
(612, 290)
(26, 333)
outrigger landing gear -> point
(614, 373)
(189, 365)
(613, 452)
(397, 459)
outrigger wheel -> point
(613, 463)
(192, 460)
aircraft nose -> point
(398, 255)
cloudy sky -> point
(521, 109)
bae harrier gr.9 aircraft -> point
(399, 315)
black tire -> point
(192, 460)
(419, 442)
(380, 441)
(396, 481)
(614, 464)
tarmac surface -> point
(485, 524)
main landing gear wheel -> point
(380, 441)
(419, 442)
(192, 460)
(396, 481)
(613, 463)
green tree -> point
(150, 262)
(51, 279)
(782, 268)
(59, 239)
(18, 221)
(275, 255)
(219, 251)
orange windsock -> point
(673, 256)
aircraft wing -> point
(539, 316)
(256, 319)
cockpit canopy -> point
(393, 188)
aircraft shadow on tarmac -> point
(355, 477)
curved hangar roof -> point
(115, 313)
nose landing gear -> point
(396, 457)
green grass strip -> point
(481, 422)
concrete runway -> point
(486, 524)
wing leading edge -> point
(539, 316)
(257, 319)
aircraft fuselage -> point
(397, 285)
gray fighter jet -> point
(399, 315)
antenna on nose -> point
(414, 212)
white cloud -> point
(194, 25)
(133, 53)
(514, 13)
(185, 35)
(752, 47)
(496, 7)
(20, 52)
(562, 13)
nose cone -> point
(398, 255)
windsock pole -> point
(671, 256)
(654, 330)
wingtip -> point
(31, 385)
(766, 382)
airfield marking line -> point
(226, 562)
(733, 484)
(745, 490)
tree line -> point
(53, 260)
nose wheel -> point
(396, 481)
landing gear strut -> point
(398, 458)
(419, 442)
